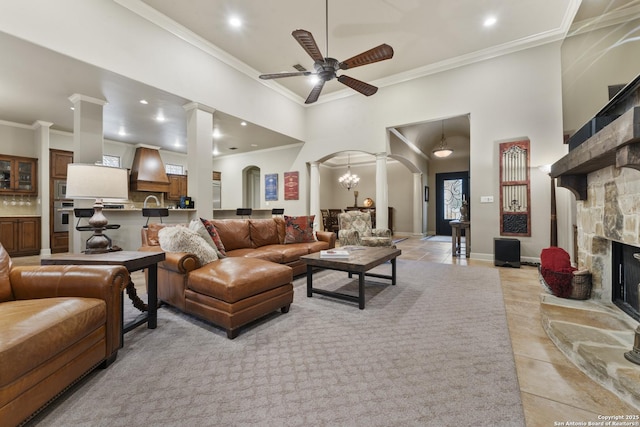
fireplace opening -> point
(626, 278)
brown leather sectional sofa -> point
(57, 323)
(254, 279)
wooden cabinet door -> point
(29, 236)
(9, 234)
(177, 186)
(59, 160)
(18, 175)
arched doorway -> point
(251, 187)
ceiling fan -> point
(326, 67)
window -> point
(111, 161)
(174, 169)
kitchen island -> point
(131, 222)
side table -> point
(133, 261)
(456, 236)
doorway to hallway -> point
(450, 189)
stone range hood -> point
(602, 170)
(147, 171)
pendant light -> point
(442, 150)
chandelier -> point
(349, 180)
(442, 150)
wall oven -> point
(62, 214)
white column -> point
(382, 192)
(418, 204)
(314, 195)
(199, 157)
(88, 138)
(42, 143)
(88, 142)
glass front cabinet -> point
(18, 175)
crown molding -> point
(616, 17)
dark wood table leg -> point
(393, 271)
(152, 303)
(309, 281)
(361, 290)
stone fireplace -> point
(602, 169)
(610, 214)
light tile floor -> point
(554, 392)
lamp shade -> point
(86, 181)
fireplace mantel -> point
(617, 144)
(610, 138)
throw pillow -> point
(215, 237)
(197, 226)
(299, 229)
(182, 239)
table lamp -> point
(86, 181)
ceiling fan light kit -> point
(327, 67)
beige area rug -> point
(433, 350)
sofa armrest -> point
(381, 232)
(327, 236)
(105, 282)
(180, 262)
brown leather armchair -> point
(57, 323)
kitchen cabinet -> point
(20, 236)
(177, 186)
(58, 163)
(18, 175)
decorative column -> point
(42, 143)
(88, 138)
(418, 204)
(314, 195)
(88, 142)
(382, 196)
(199, 159)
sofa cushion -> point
(183, 239)
(263, 232)
(215, 237)
(152, 233)
(235, 278)
(5, 285)
(280, 226)
(293, 251)
(268, 253)
(299, 229)
(234, 233)
(35, 330)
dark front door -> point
(450, 189)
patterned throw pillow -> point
(299, 229)
(215, 237)
(182, 239)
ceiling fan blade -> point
(379, 53)
(306, 40)
(315, 93)
(360, 86)
(280, 75)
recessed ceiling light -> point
(235, 22)
(121, 132)
(215, 152)
(144, 101)
(216, 134)
(160, 117)
(243, 123)
(254, 145)
(490, 21)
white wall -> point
(508, 98)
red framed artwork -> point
(291, 186)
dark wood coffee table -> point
(133, 261)
(361, 260)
